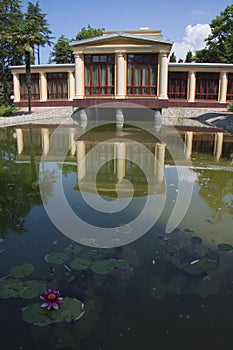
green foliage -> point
(219, 43)
(172, 57)
(5, 111)
(230, 107)
(62, 52)
(189, 57)
(22, 271)
(89, 32)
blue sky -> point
(183, 22)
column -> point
(45, 140)
(159, 161)
(19, 138)
(192, 86)
(218, 144)
(223, 87)
(43, 87)
(120, 160)
(72, 145)
(81, 159)
(79, 76)
(71, 82)
(16, 87)
(120, 75)
(163, 76)
(188, 144)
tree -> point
(189, 57)
(172, 57)
(62, 51)
(89, 32)
(10, 17)
(32, 30)
(219, 43)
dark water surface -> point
(175, 290)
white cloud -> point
(193, 40)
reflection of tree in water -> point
(216, 188)
(19, 186)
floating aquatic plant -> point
(56, 258)
(10, 288)
(225, 246)
(51, 299)
(80, 263)
(22, 271)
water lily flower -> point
(52, 299)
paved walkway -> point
(176, 116)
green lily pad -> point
(103, 267)
(225, 246)
(10, 287)
(121, 264)
(80, 263)
(22, 271)
(70, 310)
(212, 256)
(56, 258)
(32, 289)
(206, 264)
(72, 250)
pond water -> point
(146, 243)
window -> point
(35, 92)
(207, 86)
(57, 86)
(230, 87)
(177, 85)
(142, 74)
(99, 74)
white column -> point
(120, 75)
(16, 87)
(159, 161)
(188, 144)
(120, 160)
(223, 87)
(163, 76)
(218, 145)
(81, 159)
(45, 140)
(19, 138)
(79, 76)
(72, 145)
(71, 82)
(192, 86)
(43, 87)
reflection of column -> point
(81, 160)
(192, 86)
(120, 81)
(72, 145)
(19, 138)
(188, 144)
(223, 87)
(43, 87)
(71, 81)
(79, 75)
(16, 87)
(159, 161)
(120, 160)
(218, 143)
(45, 140)
(163, 76)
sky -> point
(185, 23)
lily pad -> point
(121, 264)
(80, 263)
(32, 289)
(206, 264)
(70, 310)
(225, 246)
(57, 258)
(73, 250)
(212, 256)
(10, 287)
(22, 271)
(103, 267)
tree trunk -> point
(4, 82)
(28, 79)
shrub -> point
(6, 111)
(230, 107)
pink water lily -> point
(52, 299)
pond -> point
(133, 226)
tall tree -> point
(32, 30)
(172, 57)
(189, 57)
(89, 32)
(62, 52)
(219, 44)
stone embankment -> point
(201, 117)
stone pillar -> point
(188, 144)
(45, 140)
(81, 159)
(43, 87)
(71, 82)
(218, 145)
(79, 76)
(72, 145)
(120, 75)
(120, 160)
(223, 87)
(19, 138)
(16, 87)
(159, 161)
(163, 75)
(192, 86)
